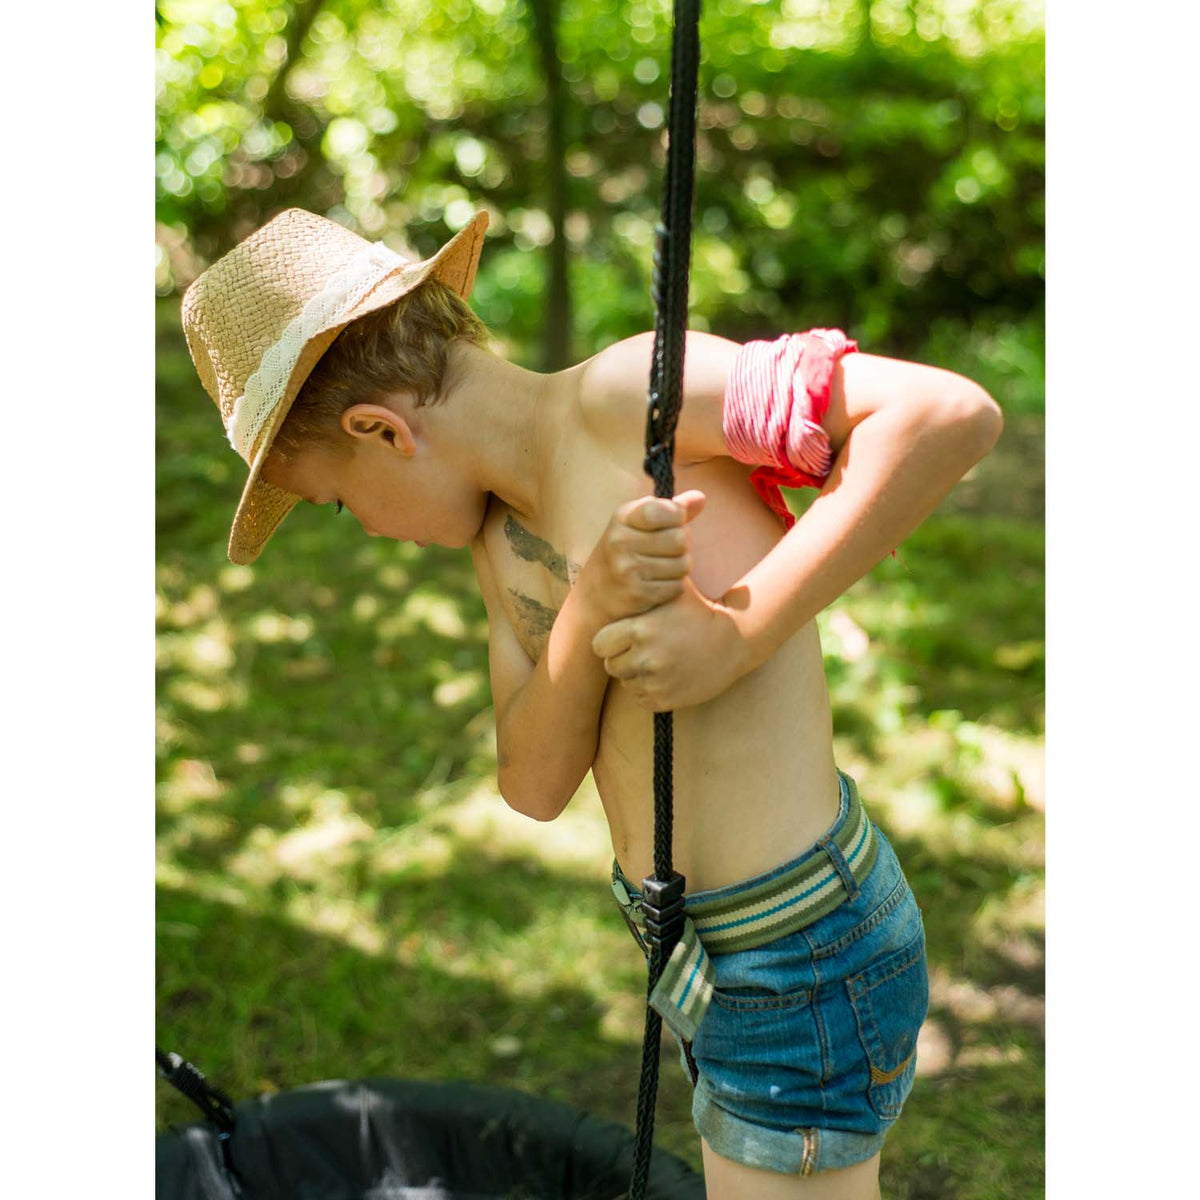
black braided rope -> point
(670, 291)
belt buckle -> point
(629, 904)
(637, 933)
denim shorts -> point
(807, 1050)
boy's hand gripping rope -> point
(663, 891)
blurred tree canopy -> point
(873, 164)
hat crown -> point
(236, 313)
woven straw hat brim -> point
(263, 506)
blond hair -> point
(403, 346)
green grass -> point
(342, 892)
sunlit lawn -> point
(343, 893)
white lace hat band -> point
(328, 307)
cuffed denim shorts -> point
(808, 1048)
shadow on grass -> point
(973, 1132)
(480, 892)
(261, 1004)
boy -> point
(348, 375)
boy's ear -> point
(377, 422)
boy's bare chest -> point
(537, 567)
(777, 717)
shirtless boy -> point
(605, 603)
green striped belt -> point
(753, 916)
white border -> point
(1122, 720)
(78, 210)
(1123, 469)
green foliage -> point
(344, 893)
(886, 176)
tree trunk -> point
(866, 35)
(248, 209)
(556, 351)
(303, 14)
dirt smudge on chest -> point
(535, 617)
(531, 548)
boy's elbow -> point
(539, 810)
(547, 813)
(528, 804)
(978, 416)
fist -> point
(642, 557)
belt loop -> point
(843, 798)
(841, 866)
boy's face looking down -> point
(388, 471)
(410, 422)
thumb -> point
(692, 502)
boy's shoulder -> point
(614, 386)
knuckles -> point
(628, 552)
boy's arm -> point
(548, 713)
(902, 435)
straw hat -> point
(258, 320)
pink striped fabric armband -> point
(776, 397)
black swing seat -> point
(393, 1139)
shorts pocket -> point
(752, 1049)
(754, 999)
(767, 978)
(890, 999)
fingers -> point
(613, 640)
(623, 670)
(657, 529)
(651, 593)
(662, 543)
(692, 502)
(620, 645)
(651, 513)
(643, 559)
(652, 567)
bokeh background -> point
(342, 891)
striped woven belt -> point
(751, 917)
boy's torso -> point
(754, 775)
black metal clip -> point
(662, 905)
